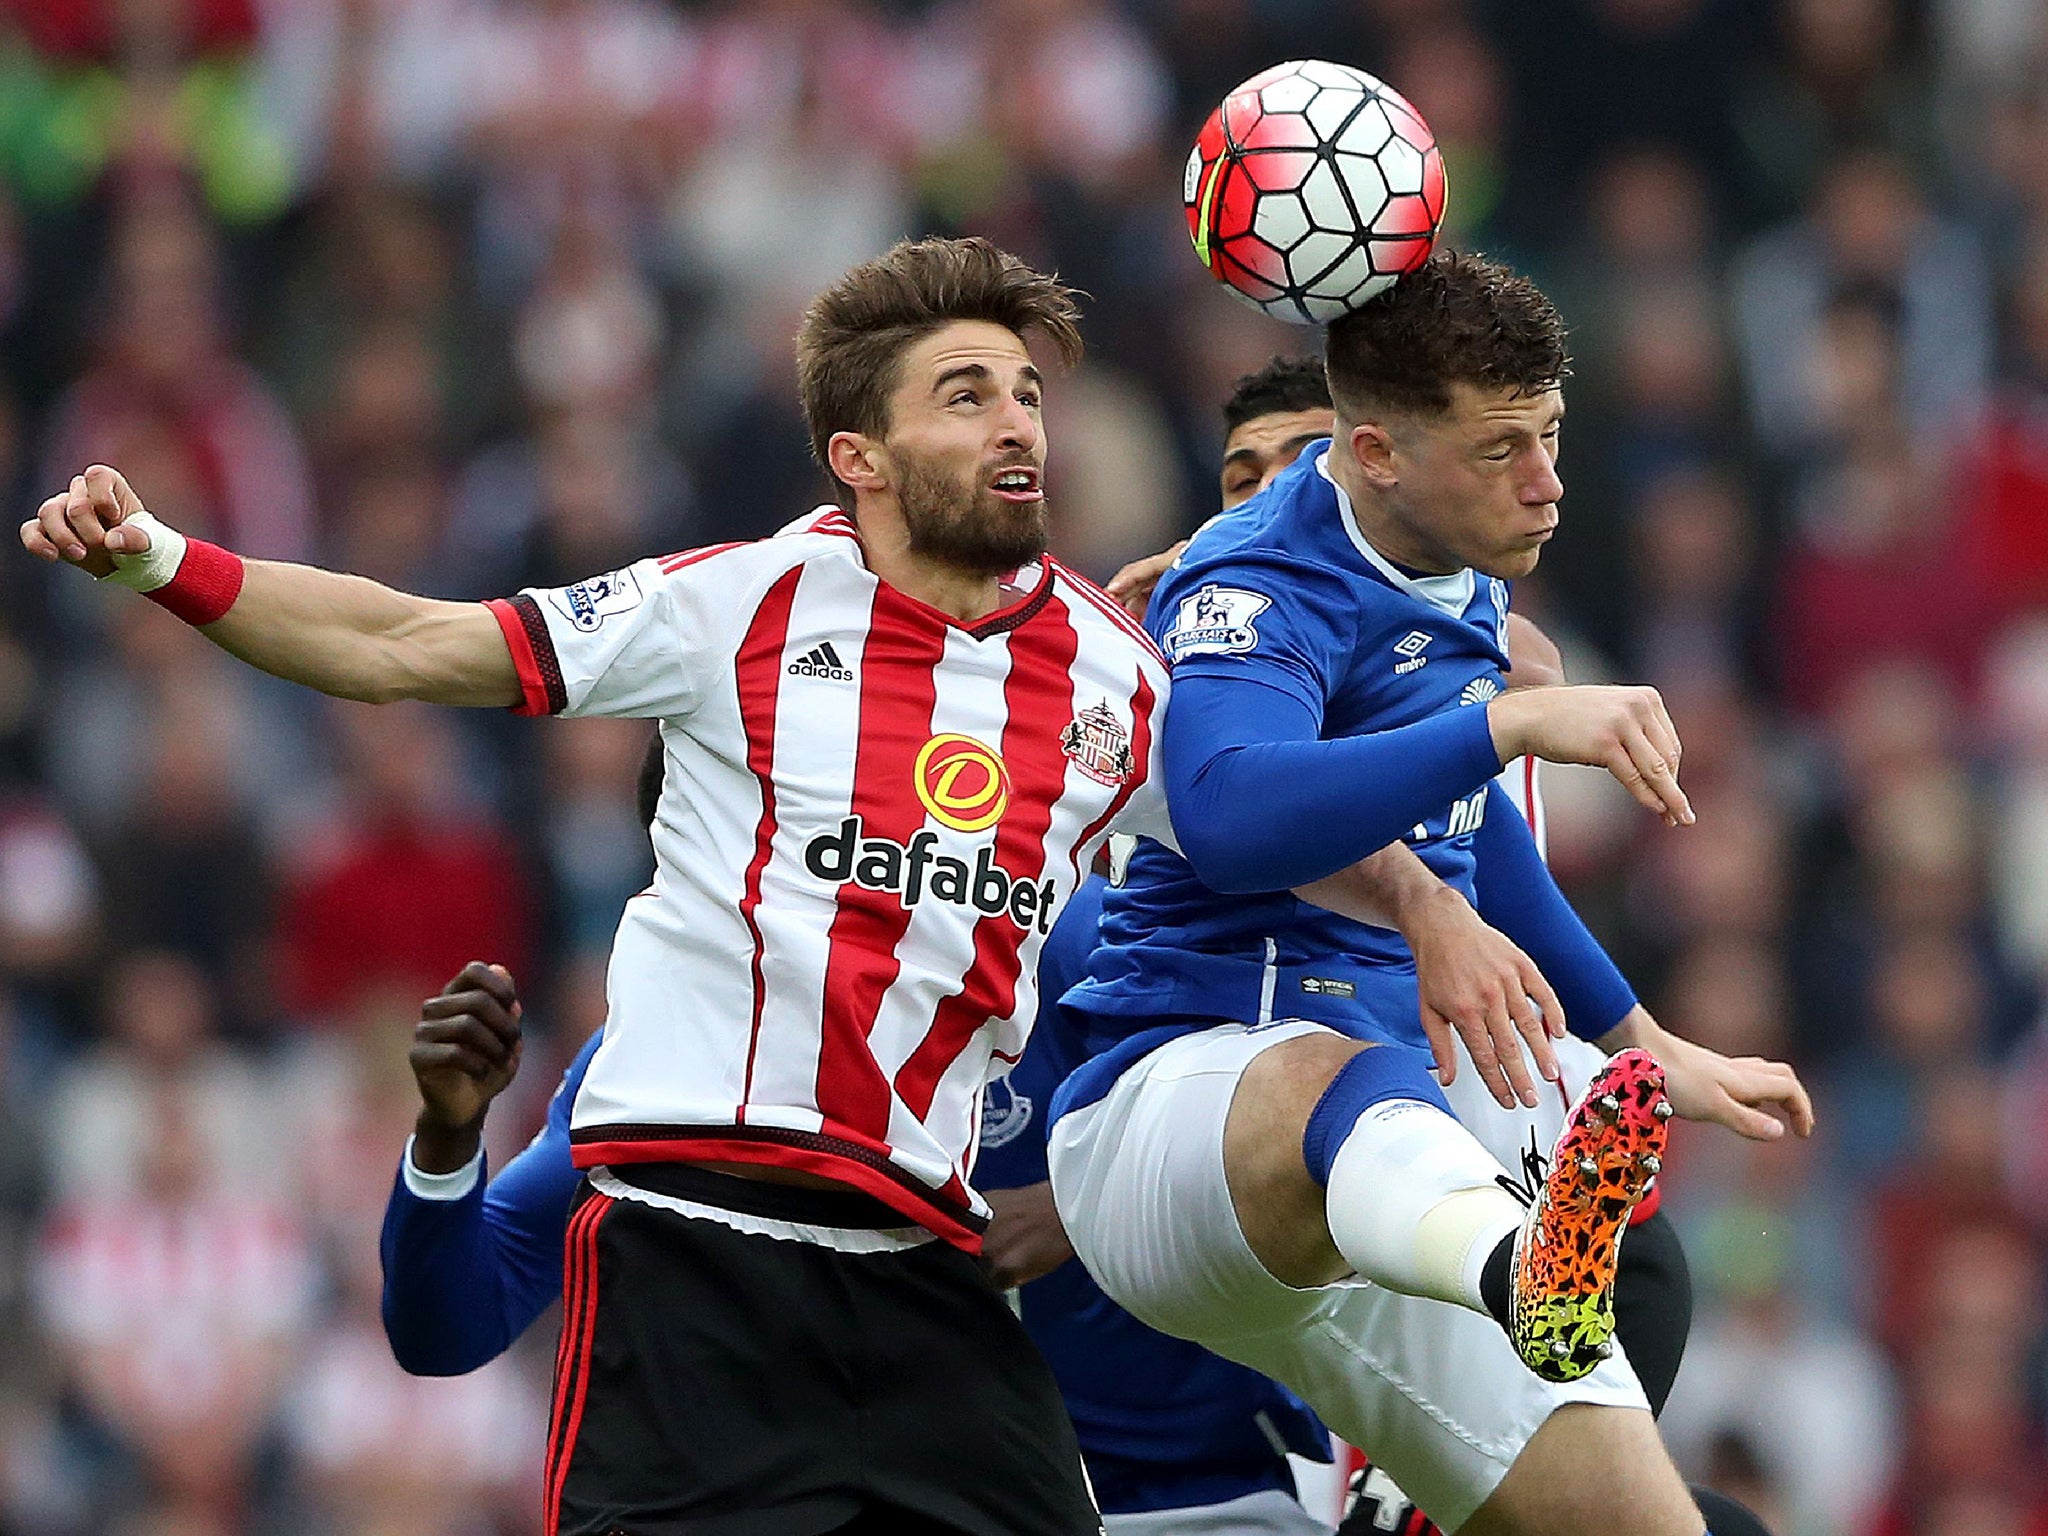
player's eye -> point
(963, 397)
(1028, 398)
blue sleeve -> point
(1519, 896)
(464, 1278)
(1260, 803)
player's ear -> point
(1372, 449)
(856, 459)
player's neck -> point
(967, 596)
(1381, 527)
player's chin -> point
(1512, 564)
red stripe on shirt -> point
(1038, 700)
(758, 674)
(897, 696)
(1114, 610)
(1529, 792)
(684, 558)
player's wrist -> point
(1507, 720)
(195, 580)
(439, 1146)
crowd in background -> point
(467, 296)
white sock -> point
(1413, 1205)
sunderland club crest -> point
(1099, 745)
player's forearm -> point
(354, 639)
(461, 1280)
(1636, 1031)
(1391, 889)
(1518, 896)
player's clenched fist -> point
(465, 1051)
(84, 522)
(1624, 730)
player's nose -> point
(1544, 485)
(1017, 427)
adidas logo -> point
(821, 661)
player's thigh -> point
(1434, 1394)
(1591, 1468)
(1138, 1176)
(1279, 1206)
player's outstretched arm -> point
(343, 635)
(468, 1268)
(1735, 1091)
(1475, 984)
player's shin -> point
(1412, 1200)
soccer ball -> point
(1311, 189)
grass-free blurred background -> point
(468, 295)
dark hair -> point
(1284, 384)
(855, 333)
(647, 792)
(1456, 319)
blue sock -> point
(1377, 1073)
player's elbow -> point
(1225, 863)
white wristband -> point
(442, 1186)
(155, 566)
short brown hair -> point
(855, 333)
(1456, 319)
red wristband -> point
(209, 580)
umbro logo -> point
(1411, 646)
(821, 661)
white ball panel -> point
(1324, 199)
(1369, 131)
(1316, 253)
(1328, 72)
(1401, 164)
(1368, 187)
(1280, 220)
(1328, 112)
(1287, 95)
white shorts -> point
(1431, 1392)
(1256, 1514)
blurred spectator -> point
(145, 89)
(1809, 1397)
(597, 851)
(169, 401)
(407, 882)
(163, 1055)
(175, 1306)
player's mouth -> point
(1018, 484)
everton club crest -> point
(1099, 745)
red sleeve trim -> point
(209, 580)
(533, 655)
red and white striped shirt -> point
(871, 816)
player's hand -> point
(465, 1051)
(81, 524)
(1025, 1240)
(1132, 586)
(1735, 1091)
(1627, 731)
(1478, 987)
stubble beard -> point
(965, 526)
